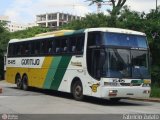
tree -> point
(98, 3)
(30, 32)
(115, 11)
(130, 19)
(95, 1)
(4, 38)
(117, 5)
(91, 20)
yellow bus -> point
(109, 63)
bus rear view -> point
(119, 60)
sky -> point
(25, 11)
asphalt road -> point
(37, 101)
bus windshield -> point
(126, 55)
(127, 40)
(140, 64)
(123, 63)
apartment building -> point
(4, 19)
(13, 26)
(55, 20)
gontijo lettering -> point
(30, 61)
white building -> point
(55, 20)
(4, 19)
(13, 26)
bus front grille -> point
(130, 84)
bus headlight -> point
(110, 84)
(113, 92)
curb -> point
(147, 100)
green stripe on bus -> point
(52, 71)
(62, 67)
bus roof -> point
(72, 32)
(117, 30)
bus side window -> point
(53, 46)
(80, 44)
(11, 50)
(32, 47)
(22, 49)
(58, 50)
(43, 46)
(65, 43)
(72, 46)
(26, 47)
(57, 45)
(18, 50)
(94, 38)
(49, 46)
(37, 48)
(74, 49)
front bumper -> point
(125, 92)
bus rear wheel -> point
(25, 83)
(18, 82)
(77, 91)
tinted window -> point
(140, 64)
(80, 44)
(72, 45)
(94, 38)
(57, 43)
(43, 47)
(48, 46)
(17, 49)
(34, 47)
(10, 50)
(117, 39)
(65, 45)
(37, 47)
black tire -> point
(77, 91)
(25, 83)
(115, 99)
(18, 82)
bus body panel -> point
(57, 72)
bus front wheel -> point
(18, 82)
(77, 91)
(25, 83)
